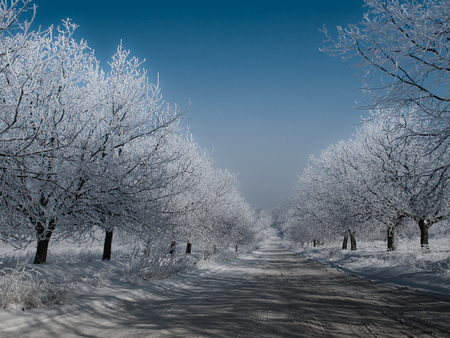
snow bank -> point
(77, 271)
(407, 267)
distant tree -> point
(212, 210)
(331, 194)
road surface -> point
(271, 293)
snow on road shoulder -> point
(101, 284)
(406, 267)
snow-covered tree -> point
(331, 193)
(126, 151)
(380, 178)
(46, 91)
(82, 149)
(211, 210)
(412, 181)
(396, 166)
(403, 49)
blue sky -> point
(263, 96)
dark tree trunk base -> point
(172, 247)
(390, 239)
(344, 243)
(424, 235)
(43, 237)
(107, 246)
(352, 241)
(41, 251)
(189, 248)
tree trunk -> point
(236, 248)
(42, 249)
(424, 235)
(344, 243)
(107, 246)
(147, 248)
(172, 247)
(189, 248)
(352, 241)
(314, 243)
(43, 238)
(390, 239)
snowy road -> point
(271, 293)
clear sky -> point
(263, 96)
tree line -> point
(395, 169)
(83, 148)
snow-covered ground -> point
(408, 266)
(76, 274)
(271, 292)
(85, 283)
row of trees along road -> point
(82, 149)
(396, 168)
